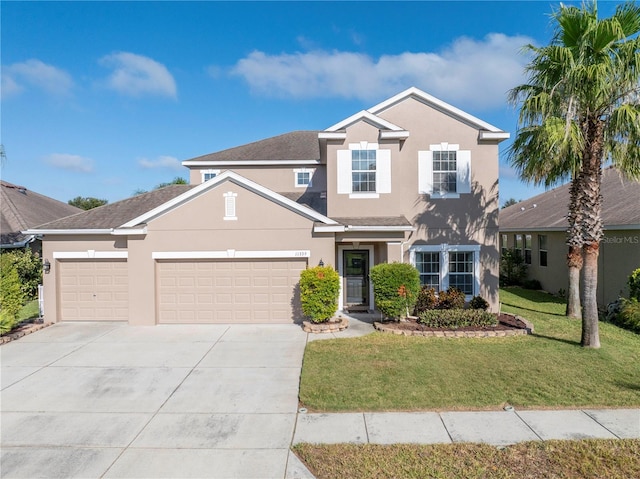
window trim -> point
(444, 250)
(208, 172)
(296, 182)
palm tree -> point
(581, 108)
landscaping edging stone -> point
(514, 321)
(23, 330)
(329, 327)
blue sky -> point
(105, 98)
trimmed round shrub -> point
(395, 288)
(478, 302)
(457, 318)
(634, 285)
(319, 291)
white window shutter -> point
(383, 171)
(463, 162)
(425, 172)
(344, 172)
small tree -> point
(395, 288)
(512, 268)
(87, 203)
(29, 267)
(319, 291)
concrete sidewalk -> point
(499, 428)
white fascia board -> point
(231, 254)
(239, 180)
(332, 135)
(394, 135)
(129, 231)
(328, 229)
(189, 163)
(365, 115)
(437, 103)
(494, 135)
(107, 231)
(90, 254)
(380, 228)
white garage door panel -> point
(94, 290)
(218, 291)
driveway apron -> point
(112, 400)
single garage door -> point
(93, 290)
(227, 291)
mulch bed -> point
(508, 325)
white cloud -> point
(66, 161)
(138, 75)
(470, 72)
(507, 171)
(37, 74)
(161, 162)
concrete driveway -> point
(112, 400)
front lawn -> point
(383, 372)
(601, 458)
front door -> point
(356, 275)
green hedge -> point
(395, 288)
(29, 267)
(629, 315)
(11, 295)
(319, 291)
(634, 285)
(457, 318)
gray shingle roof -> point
(620, 206)
(311, 199)
(116, 214)
(297, 145)
(23, 209)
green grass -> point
(601, 458)
(29, 311)
(384, 372)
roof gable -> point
(218, 180)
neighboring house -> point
(412, 179)
(23, 209)
(537, 227)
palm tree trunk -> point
(590, 332)
(574, 262)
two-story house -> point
(412, 179)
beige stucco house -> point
(411, 179)
(538, 226)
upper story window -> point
(364, 170)
(209, 174)
(444, 171)
(303, 177)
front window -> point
(461, 274)
(517, 244)
(505, 243)
(428, 264)
(527, 249)
(444, 172)
(363, 171)
(542, 245)
(303, 178)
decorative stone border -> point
(527, 329)
(23, 331)
(332, 326)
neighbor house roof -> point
(548, 211)
(22, 209)
(297, 147)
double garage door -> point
(225, 291)
(193, 291)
